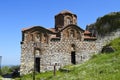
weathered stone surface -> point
(107, 49)
(63, 47)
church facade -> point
(62, 45)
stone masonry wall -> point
(102, 41)
(26, 58)
(60, 52)
(55, 52)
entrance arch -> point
(73, 55)
(37, 59)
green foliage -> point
(94, 56)
(12, 68)
(116, 44)
(112, 19)
(8, 69)
(0, 78)
(104, 67)
(5, 70)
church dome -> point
(65, 11)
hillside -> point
(106, 24)
(104, 66)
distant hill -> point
(106, 24)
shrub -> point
(5, 70)
(8, 69)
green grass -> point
(116, 44)
(99, 67)
(0, 77)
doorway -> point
(37, 64)
(73, 58)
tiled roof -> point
(32, 27)
(89, 37)
(52, 29)
(24, 29)
(87, 32)
(54, 37)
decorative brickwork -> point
(65, 44)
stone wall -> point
(59, 52)
(27, 58)
(102, 41)
(55, 52)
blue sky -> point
(18, 14)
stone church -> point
(65, 44)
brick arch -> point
(37, 49)
(37, 59)
(73, 54)
(31, 37)
(79, 35)
(45, 37)
(72, 32)
(73, 47)
(68, 20)
(37, 37)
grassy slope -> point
(100, 67)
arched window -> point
(72, 33)
(45, 38)
(79, 36)
(31, 37)
(68, 21)
(25, 36)
(72, 47)
(37, 37)
(37, 53)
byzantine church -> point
(64, 44)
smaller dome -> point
(65, 11)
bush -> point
(5, 70)
(12, 68)
(8, 69)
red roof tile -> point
(26, 28)
(87, 32)
(54, 36)
(88, 37)
(52, 29)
